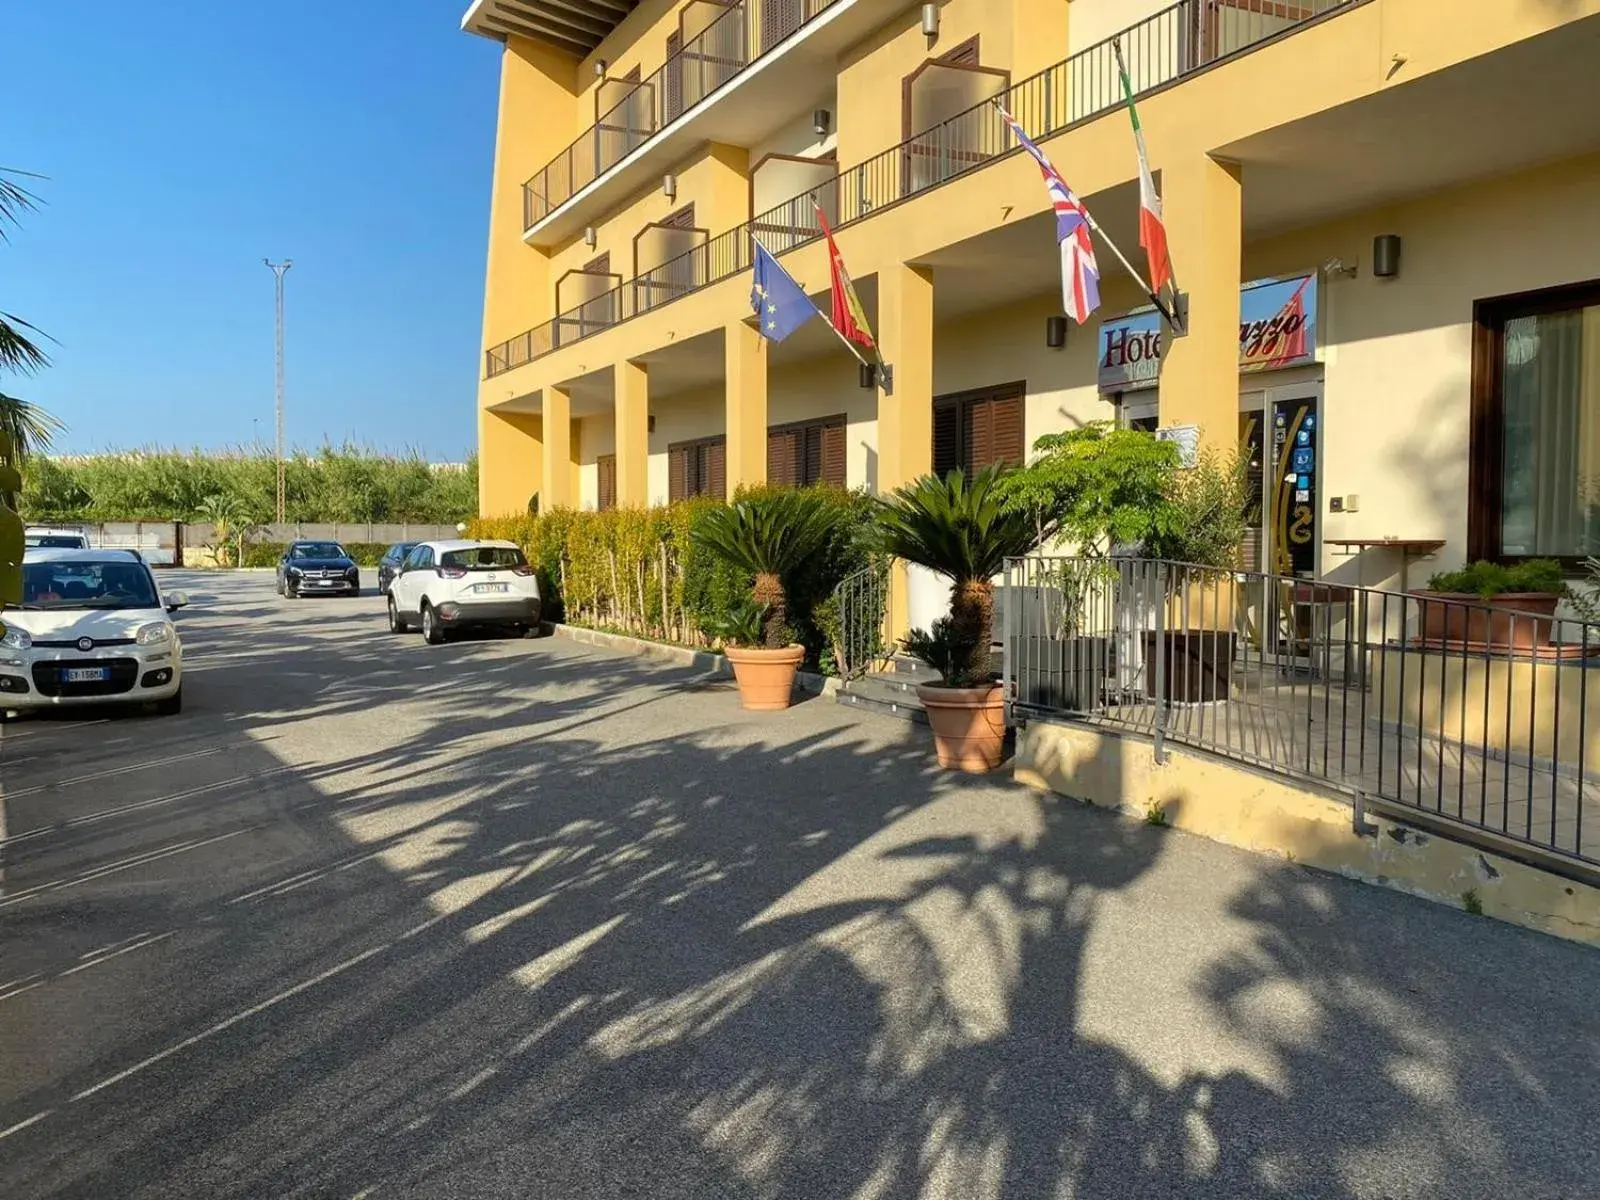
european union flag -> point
(780, 304)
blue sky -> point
(183, 141)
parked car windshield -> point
(484, 558)
(400, 549)
(317, 550)
(81, 584)
(55, 541)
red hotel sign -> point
(1278, 328)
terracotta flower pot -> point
(1509, 621)
(765, 677)
(969, 725)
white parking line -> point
(109, 772)
(138, 806)
(137, 860)
(21, 1125)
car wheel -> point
(432, 628)
(290, 593)
(172, 705)
(397, 623)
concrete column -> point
(905, 418)
(1200, 371)
(559, 488)
(633, 434)
(745, 381)
(510, 446)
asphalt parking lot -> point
(524, 919)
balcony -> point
(1161, 50)
(776, 59)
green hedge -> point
(640, 572)
(267, 554)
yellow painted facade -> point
(1287, 148)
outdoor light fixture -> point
(669, 186)
(1386, 255)
(600, 65)
(930, 20)
(1055, 332)
(869, 375)
(820, 120)
(589, 238)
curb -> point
(681, 656)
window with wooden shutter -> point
(606, 470)
(674, 74)
(698, 468)
(807, 452)
(972, 430)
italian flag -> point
(1152, 232)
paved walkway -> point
(518, 919)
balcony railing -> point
(739, 36)
(1163, 48)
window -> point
(972, 430)
(606, 491)
(807, 452)
(484, 558)
(698, 468)
(420, 557)
(1535, 468)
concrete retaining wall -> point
(1230, 803)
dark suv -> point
(389, 565)
(317, 568)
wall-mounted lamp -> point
(869, 375)
(588, 236)
(669, 186)
(600, 66)
(1055, 332)
(1386, 255)
(821, 121)
(930, 20)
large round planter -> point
(1509, 621)
(765, 677)
(969, 725)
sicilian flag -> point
(1080, 275)
(1152, 230)
(848, 316)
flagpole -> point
(847, 343)
(877, 351)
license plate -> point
(488, 588)
(86, 674)
(322, 583)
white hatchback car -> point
(451, 585)
(93, 628)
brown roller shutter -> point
(682, 219)
(1007, 443)
(833, 455)
(964, 55)
(606, 469)
(781, 457)
(677, 473)
(717, 469)
(674, 74)
(946, 438)
(978, 450)
(809, 468)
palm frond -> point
(769, 533)
(18, 351)
(14, 198)
(29, 428)
(955, 526)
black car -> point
(389, 565)
(317, 568)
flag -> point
(780, 303)
(1152, 229)
(1080, 275)
(849, 318)
(1279, 341)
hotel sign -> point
(1277, 328)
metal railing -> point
(861, 607)
(1467, 715)
(1159, 50)
(732, 41)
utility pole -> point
(279, 270)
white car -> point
(443, 586)
(93, 628)
(39, 538)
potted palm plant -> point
(1492, 605)
(962, 529)
(767, 535)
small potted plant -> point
(1492, 605)
(766, 535)
(959, 528)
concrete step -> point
(890, 694)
